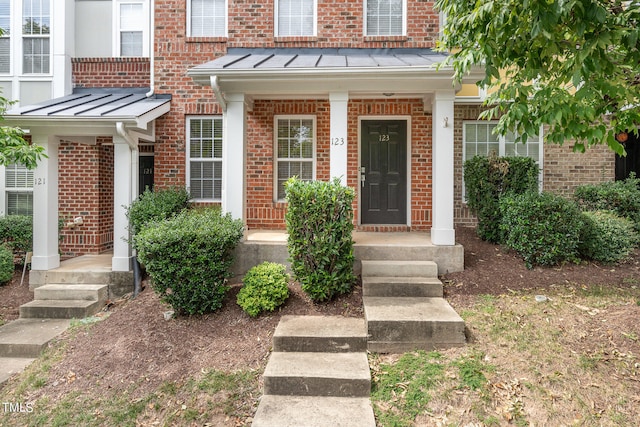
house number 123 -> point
(337, 141)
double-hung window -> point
(480, 140)
(385, 17)
(295, 149)
(204, 161)
(18, 190)
(207, 18)
(5, 40)
(295, 18)
(132, 28)
(36, 23)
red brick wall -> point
(110, 72)
(264, 213)
(86, 190)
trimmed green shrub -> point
(621, 197)
(264, 288)
(189, 258)
(320, 224)
(487, 179)
(543, 228)
(607, 237)
(16, 232)
(155, 206)
(6, 264)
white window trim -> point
(4, 190)
(404, 21)
(18, 37)
(275, 148)
(188, 155)
(144, 26)
(10, 37)
(501, 149)
(277, 24)
(226, 20)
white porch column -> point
(233, 156)
(442, 232)
(339, 130)
(122, 197)
(45, 206)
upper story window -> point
(204, 160)
(295, 18)
(207, 18)
(132, 32)
(5, 40)
(295, 151)
(36, 22)
(385, 17)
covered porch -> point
(365, 108)
(115, 118)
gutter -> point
(215, 85)
(152, 61)
(122, 131)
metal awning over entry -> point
(315, 72)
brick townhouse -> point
(232, 97)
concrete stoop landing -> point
(404, 308)
(318, 374)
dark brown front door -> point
(384, 168)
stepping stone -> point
(60, 309)
(401, 287)
(314, 411)
(60, 291)
(325, 334)
(12, 365)
(399, 269)
(318, 374)
(397, 325)
(26, 338)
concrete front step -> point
(59, 291)
(399, 269)
(318, 374)
(397, 325)
(325, 334)
(401, 287)
(26, 338)
(60, 309)
(12, 365)
(314, 411)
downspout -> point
(215, 85)
(152, 61)
(137, 277)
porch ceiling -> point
(314, 72)
(92, 112)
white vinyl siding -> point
(204, 162)
(295, 151)
(385, 17)
(207, 18)
(295, 18)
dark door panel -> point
(384, 167)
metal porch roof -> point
(96, 104)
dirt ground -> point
(136, 345)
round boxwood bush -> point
(155, 206)
(607, 237)
(6, 265)
(189, 258)
(264, 288)
(543, 228)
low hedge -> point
(189, 258)
(265, 288)
(155, 206)
(543, 228)
(621, 197)
(6, 265)
(16, 233)
(606, 237)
